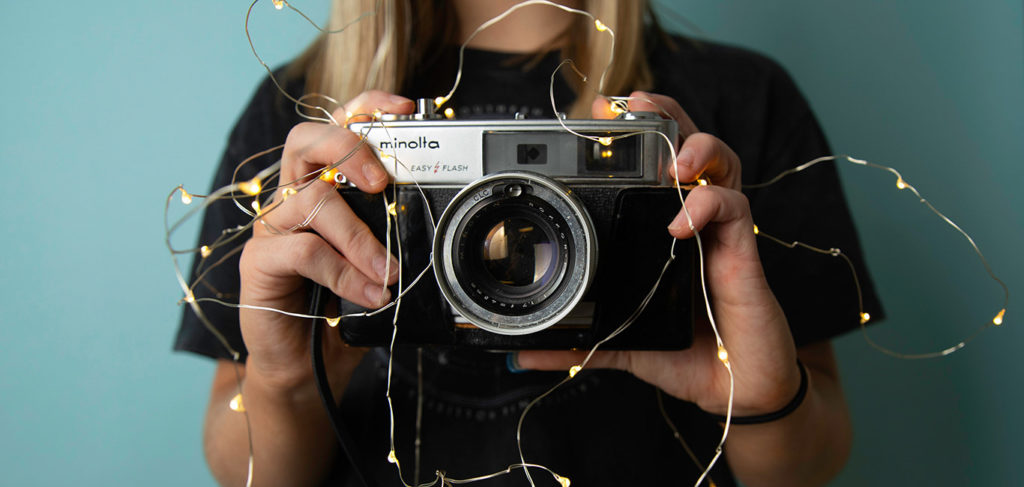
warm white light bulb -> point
(185, 197)
(723, 355)
(251, 187)
(236, 404)
(333, 322)
(998, 320)
(606, 141)
(278, 4)
(205, 251)
(575, 369)
(600, 25)
(864, 318)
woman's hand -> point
(342, 255)
(753, 327)
(285, 422)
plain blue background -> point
(109, 105)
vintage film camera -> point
(544, 240)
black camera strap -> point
(341, 431)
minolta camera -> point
(545, 239)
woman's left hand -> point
(752, 325)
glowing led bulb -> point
(329, 175)
(439, 101)
(864, 318)
(449, 113)
(288, 192)
(618, 106)
(185, 197)
(575, 369)
(756, 230)
(392, 458)
(278, 4)
(998, 320)
(256, 206)
(600, 25)
(236, 404)
(562, 480)
(606, 141)
(333, 322)
(190, 298)
(723, 355)
(391, 209)
(901, 184)
(377, 114)
(251, 187)
(205, 251)
(702, 181)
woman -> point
(603, 428)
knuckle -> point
(307, 246)
(361, 240)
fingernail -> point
(376, 294)
(374, 174)
(384, 268)
(398, 100)
(512, 362)
(686, 157)
(678, 224)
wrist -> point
(772, 412)
(282, 387)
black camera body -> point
(550, 234)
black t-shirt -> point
(603, 428)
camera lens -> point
(518, 255)
(514, 252)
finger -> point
(312, 146)
(309, 256)
(336, 223)
(706, 154)
(564, 360)
(728, 209)
(364, 105)
(667, 107)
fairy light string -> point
(261, 186)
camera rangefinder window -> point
(621, 157)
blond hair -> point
(384, 40)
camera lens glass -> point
(518, 254)
(509, 254)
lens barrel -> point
(514, 252)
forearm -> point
(807, 447)
(292, 442)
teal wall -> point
(106, 106)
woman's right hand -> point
(342, 255)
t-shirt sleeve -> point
(817, 291)
(264, 124)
